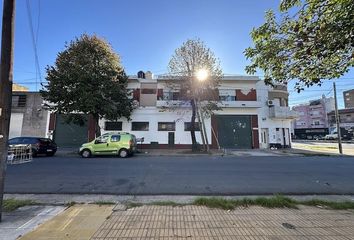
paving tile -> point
(253, 223)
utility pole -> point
(337, 119)
(6, 74)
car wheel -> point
(34, 153)
(86, 153)
(123, 153)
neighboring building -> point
(348, 97)
(313, 114)
(253, 115)
(19, 88)
(346, 119)
(27, 116)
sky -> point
(145, 34)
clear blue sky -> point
(146, 33)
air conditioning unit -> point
(270, 103)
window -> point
(316, 123)
(227, 98)
(227, 95)
(166, 126)
(140, 126)
(102, 139)
(187, 126)
(171, 95)
(19, 100)
(115, 138)
(113, 126)
(148, 91)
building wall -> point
(346, 118)
(250, 94)
(28, 119)
(314, 113)
(348, 97)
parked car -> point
(332, 136)
(121, 144)
(39, 145)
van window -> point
(115, 138)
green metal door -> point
(234, 131)
(69, 135)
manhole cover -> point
(288, 226)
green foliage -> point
(88, 78)
(229, 204)
(309, 41)
(187, 60)
(12, 204)
(192, 56)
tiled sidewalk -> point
(193, 222)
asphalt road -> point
(197, 175)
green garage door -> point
(234, 131)
(69, 135)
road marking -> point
(71, 216)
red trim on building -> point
(250, 96)
(52, 120)
(255, 136)
(136, 94)
(159, 94)
(91, 126)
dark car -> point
(39, 145)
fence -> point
(18, 154)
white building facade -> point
(253, 115)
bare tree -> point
(196, 73)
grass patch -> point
(277, 201)
(230, 204)
(332, 205)
(70, 204)
(100, 203)
(12, 204)
(166, 203)
(133, 204)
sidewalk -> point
(196, 222)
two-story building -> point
(253, 115)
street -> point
(197, 175)
(324, 146)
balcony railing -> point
(172, 103)
(240, 104)
(278, 112)
(222, 104)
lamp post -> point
(202, 75)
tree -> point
(189, 59)
(88, 78)
(312, 40)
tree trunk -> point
(194, 140)
(97, 126)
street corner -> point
(18, 222)
(79, 221)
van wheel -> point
(86, 153)
(123, 153)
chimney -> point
(141, 74)
(149, 75)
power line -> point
(34, 41)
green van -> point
(121, 144)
